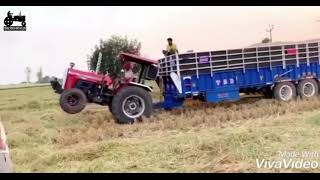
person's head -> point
(128, 66)
(72, 64)
(169, 41)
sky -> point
(58, 35)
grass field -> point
(226, 137)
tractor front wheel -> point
(131, 103)
(73, 101)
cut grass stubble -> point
(225, 137)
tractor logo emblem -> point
(8, 22)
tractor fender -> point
(143, 86)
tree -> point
(28, 73)
(39, 75)
(110, 50)
(265, 40)
(45, 79)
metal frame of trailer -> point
(216, 76)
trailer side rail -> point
(245, 58)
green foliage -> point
(110, 49)
(265, 40)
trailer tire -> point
(73, 101)
(308, 88)
(129, 100)
(285, 91)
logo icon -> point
(8, 21)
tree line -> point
(40, 76)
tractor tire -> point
(110, 108)
(23, 24)
(73, 101)
(131, 103)
(285, 91)
(308, 88)
(8, 21)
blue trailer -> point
(283, 71)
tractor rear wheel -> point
(8, 21)
(308, 88)
(131, 103)
(285, 91)
(73, 101)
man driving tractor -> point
(128, 75)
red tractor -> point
(127, 98)
(8, 21)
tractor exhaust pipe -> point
(99, 62)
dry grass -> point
(225, 137)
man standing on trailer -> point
(171, 48)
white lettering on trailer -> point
(261, 77)
(225, 81)
(218, 82)
(231, 81)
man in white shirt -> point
(128, 75)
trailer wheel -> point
(308, 88)
(285, 91)
(131, 103)
(73, 101)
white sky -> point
(57, 35)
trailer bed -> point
(220, 75)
